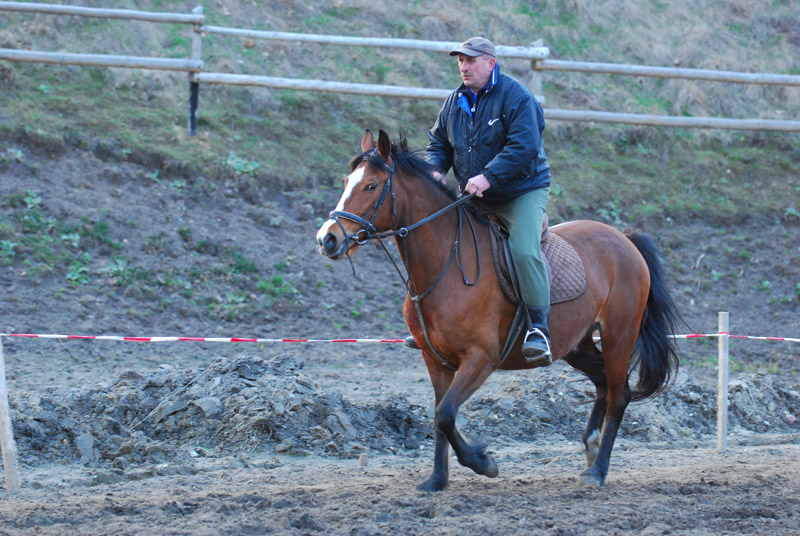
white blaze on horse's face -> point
(353, 180)
(330, 226)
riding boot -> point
(411, 343)
(536, 346)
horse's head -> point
(367, 203)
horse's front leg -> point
(441, 378)
(471, 374)
(441, 466)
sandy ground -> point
(670, 482)
(129, 438)
(651, 490)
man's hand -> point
(477, 185)
(438, 175)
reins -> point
(455, 252)
(403, 231)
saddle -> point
(565, 269)
(565, 272)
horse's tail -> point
(655, 357)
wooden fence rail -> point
(668, 72)
(537, 53)
(101, 60)
(322, 86)
(530, 53)
(100, 13)
(678, 121)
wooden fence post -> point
(722, 385)
(9, 448)
(194, 85)
(536, 75)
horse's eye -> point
(371, 186)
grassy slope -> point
(296, 136)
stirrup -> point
(543, 356)
(411, 343)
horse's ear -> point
(368, 143)
(384, 147)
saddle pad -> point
(567, 272)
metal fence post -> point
(194, 86)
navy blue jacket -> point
(500, 136)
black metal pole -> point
(194, 93)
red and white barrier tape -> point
(701, 335)
(183, 339)
(725, 334)
(765, 338)
(253, 339)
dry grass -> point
(741, 35)
(760, 36)
(734, 35)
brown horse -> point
(461, 324)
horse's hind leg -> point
(589, 360)
(616, 356)
(603, 442)
(591, 436)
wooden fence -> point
(536, 53)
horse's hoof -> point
(486, 465)
(432, 485)
(589, 479)
(491, 470)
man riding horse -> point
(489, 131)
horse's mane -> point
(409, 162)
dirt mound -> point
(531, 406)
(248, 404)
(234, 407)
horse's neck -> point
(427, 249)
(421, 200)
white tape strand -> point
(273, 340)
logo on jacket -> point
(493, 121)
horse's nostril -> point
(329, 242)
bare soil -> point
(214, 438)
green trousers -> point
(523, 216)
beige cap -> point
(475, 46)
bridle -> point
(369, 232)
(367, 226)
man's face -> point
(475, 71)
